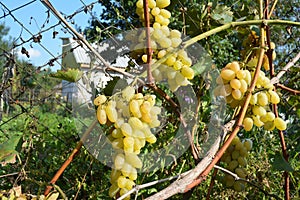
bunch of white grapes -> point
(176, 67)
(132, 116)
(234, 82)
(235, 159)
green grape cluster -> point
(176, 68)
(233, 82)
(235, 160)
(132, 116)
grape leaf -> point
(71, 75)
(202, 65)
(222, 14)
(280, 164)
(9, 150)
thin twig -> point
(295, 92)
(285, 69)
(139, 187)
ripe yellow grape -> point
(248, 123)
(235, 84)
(256, 121)
(274, 98)
(165, 42)
(122, 181)
(151, 4)
(135, 123)
(101, 115)
(187, 72)
(253, 99)
(237, 94)
(111, 113)
(280, 124)
(161, 53)
(100, 100)
(119, 161)
(241, 74)
(244, 86)
(165, 13)
(176, 42)
(139, 4)
(126, 129)
(135, 108)
(128, 141)
(175, 34)
(259, 110)
(171, 60)
(262, 99)
(151, 139)
(234, 66)
(155, 11)
(270, 116)
(133, 160)
(227, 74)
(162, 3)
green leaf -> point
(202, 65)
(114, 85)
(9, 150)
(280, 164)
(222, 14)
(71, 75)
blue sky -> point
(36, 14)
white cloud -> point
(33, 53)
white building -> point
(78, 57)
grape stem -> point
(148, 42)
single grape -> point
(101, 115)
(187, 72)
(280, 124)
(237, 94)
(165, 13)
(126, 129)
(235, 84)
(162, 3)
(274, 98)
(133, 160)
(262, 99)
(234, 66)
(227, 74)
(119, 161)
(100, 100)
